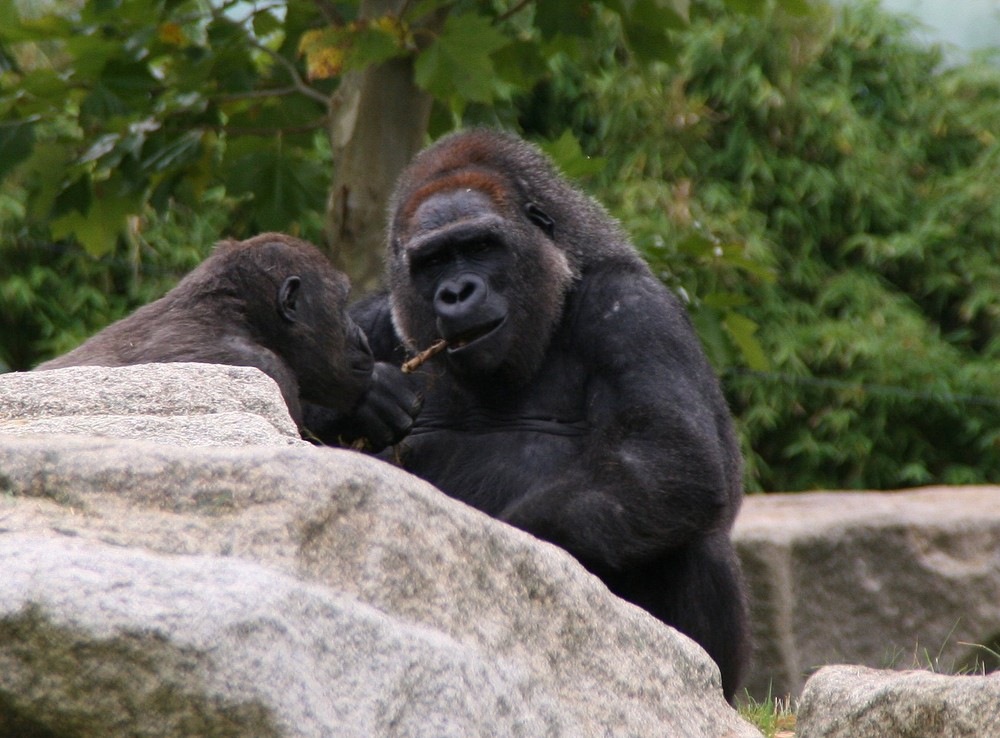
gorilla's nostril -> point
(462, 293)
(467, 289)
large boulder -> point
(184, 404)
(883, 579)
(155, 590)
(856, 702)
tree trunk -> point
(380, 122)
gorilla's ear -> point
(288, 294)
(540, 218)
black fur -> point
(583, 409)
(273, 302)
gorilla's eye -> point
(428, 261)
(540, 218)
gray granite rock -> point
(883, 579)
(857, 702)
(183, 404)
(159, 591)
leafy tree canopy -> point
(111, 107)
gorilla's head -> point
(485, 240)
(295, 304)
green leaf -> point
(748, 7)
(332, 50)
(160, 155)
(569, 157)
(46, 170)
(724, 300)
(130, 80)
(646, 25)
(265, 23)
(520, 64)
(712, 337)
(10, 19)
(91, 53)
(742, 330)
(284, 186)
(232, 67)
(102, 104)
(564, 17)
(374, 46)
(43, 83)
(7, 61)
(98, 229)
(458, 63)
(17, 140)
(795, 7)
(76, 197)
(696, 244)
(659, 14)
(13, 28)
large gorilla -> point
(273, 302)
(573, 399)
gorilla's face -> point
(478, 269)
(326, 348)
(311, 328)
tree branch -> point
(517, 8)
(297, 81)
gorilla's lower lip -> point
(465, 340)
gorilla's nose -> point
(460, 297)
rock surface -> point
(884, 579)
(156, 590)
(181, 403)
(856, 702)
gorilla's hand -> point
(383, 417)
(386, 413)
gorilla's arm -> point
(661, 465)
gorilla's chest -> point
(487, 446)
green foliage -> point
(825, 188)
(456, 66)
(772, 716)
(107, 108)
(110, 108)
(52, 295)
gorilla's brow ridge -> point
(475, 179)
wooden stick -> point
(435, 348)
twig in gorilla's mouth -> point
(435, 348)
(453, 344)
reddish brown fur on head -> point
(473, 179)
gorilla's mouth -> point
(469, 338)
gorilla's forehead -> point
(446, 207)
(490, 186)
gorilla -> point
(273, 302)
(572, 398)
